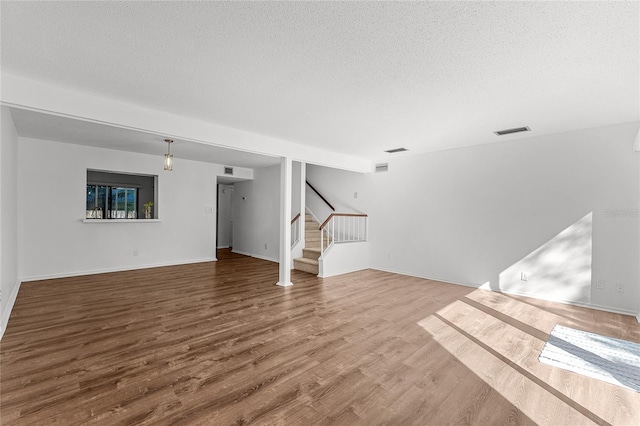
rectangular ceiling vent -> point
(382, 167)
(394, 150)
(228, 171)
(514, 130)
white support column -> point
(303, 201)
(286, 169)
(636, 146)
(298, 206)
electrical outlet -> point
(619, 288)
(265, 246)
(600, 284)
(135, 252)
(355, 195)
(524, 276)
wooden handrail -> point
(320, 195)
(295, 218)
(341, 214)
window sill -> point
(121, 220)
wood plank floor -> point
(218, 343)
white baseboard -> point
(117, 269)
(270, 259)
(257, 256)
(424, 277)
(6, 314)
(604, 308)
(550, 299)
(346, 271)
(241, 252)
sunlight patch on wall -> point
(559, 270)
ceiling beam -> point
(19, 92)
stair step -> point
(311, 253)
(312, 242)
(306, 265)
(312, 238)
(315, 245)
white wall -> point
(296, 168)
(9, 283)
(53, 240)
(338, 187)
(256, 215)
(543, 205)
(298, 174)
(344, 258)
(562, 208)
(225, 220)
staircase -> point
(310, 254)
(339, 231)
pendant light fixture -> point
(168, 158)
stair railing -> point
(321, 197)
(295, 230)
(343, 228)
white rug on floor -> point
(604, 358)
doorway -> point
(224, 216)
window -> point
(113, 195)
(111, 202)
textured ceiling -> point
(353, 77)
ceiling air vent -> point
(381, 168)
(514, 130)
(394, 150)
(228, 171)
